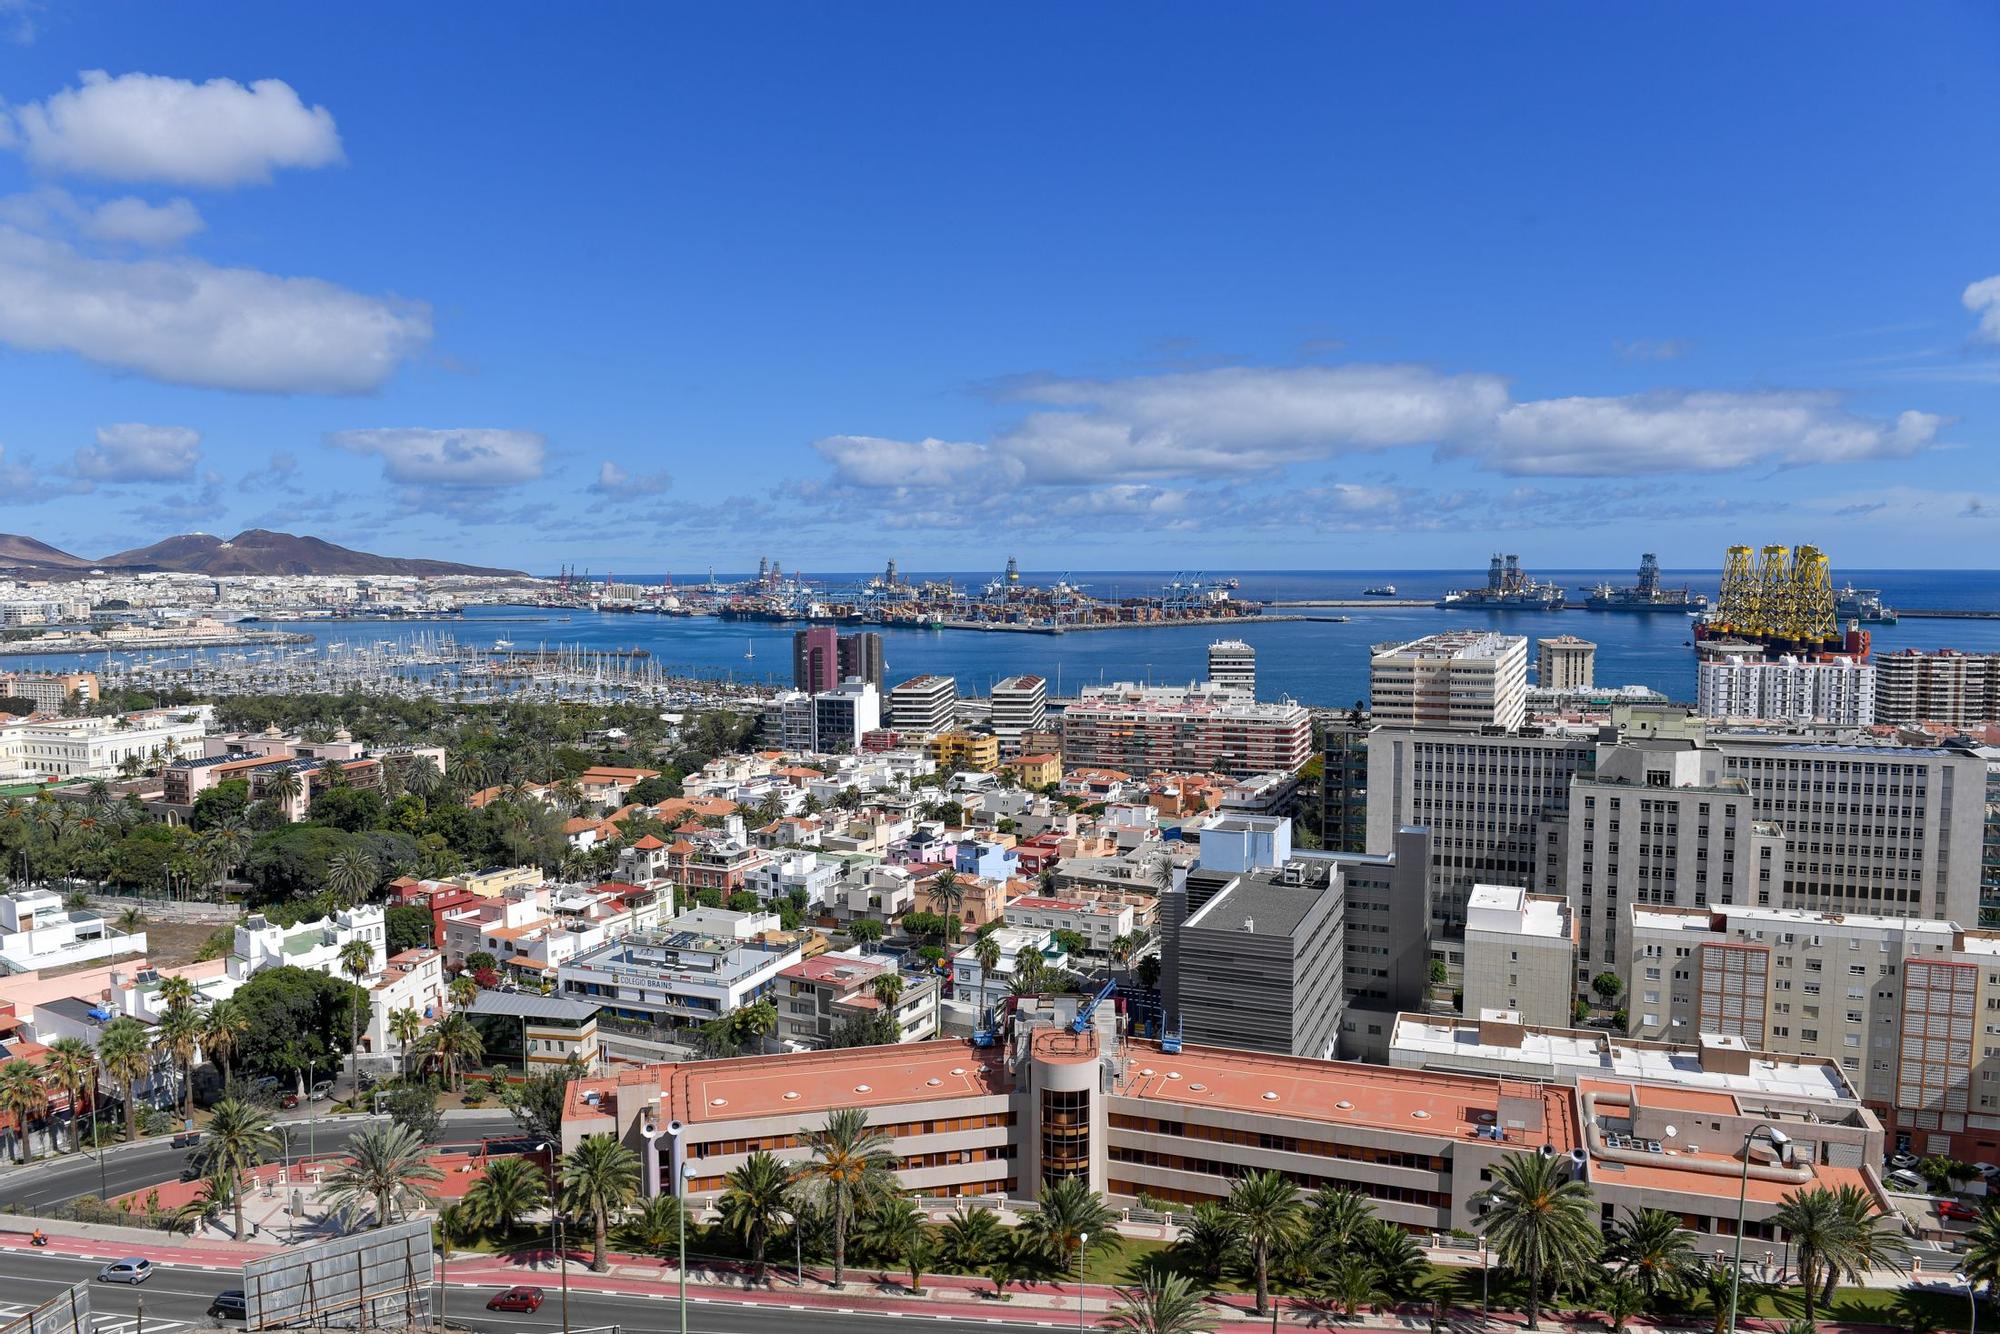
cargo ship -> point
(1864, 605)
(1380, 591)
(1506, 586)
(1646, 595)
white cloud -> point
(147, 127)
(620, 484)
(189, 322)
(1983, 299)
(133, 221)
(1689, 432)
(136, 452)
(461, 457)
(872, 461)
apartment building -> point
(51, 692)
(978, 752)
(1909, 1009)
(1463, 680)
(1520, 955)
(99, 747)
(675, 978)
(842, 715)
(972, 983)
(923, 706)
(816, 996)
(1948, 687)
(1232, 665)
(37, 932)
(1343, 786)
(1564, 663)
(1020, 703)
(316, 945)
(1099, 924)
(1144, 729)
(1254, 959)
(822, 658)
(1839, 690)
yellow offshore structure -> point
(1779, 596)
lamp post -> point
(1082, 1240)
(1781, 1144)
(555, 1230)
(1971, 1298)
(686, 1175)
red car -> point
(516, 1299)
(1957, 1209)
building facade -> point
(1461, 680)
(1143, 729)
(1520, 953)
(1232, 665)
(1564, 662)
(1948, 687)
(1840, 691)
(923, 706)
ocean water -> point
(1315, 662)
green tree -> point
(357, 960)
(1650, 1248)
(235, 1145)
(1608, 986)
(223, 1027)
(1161, 1303)
(1068, 1211)
(406, 1026)
(600, 1177)
(866, 931)
(1621, 1298)
(457, 1046)
(849, 1170)
(756, 1197)
(509, 1190)
(1209, 1239)
(987, 951)
(1268, 1215)
(1350, 1282)
(415, 1106)
(385, 1167)
(947, 895)
(1540, 1221)
(537, 1100)
(407, 927)
(968, 1240)
(179, 1035)
(297, 1019)
(126, 1054)
(24, 1098)
(894, 1230)
(71, 1069)
(1982, 1249)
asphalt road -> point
(176, 1302)
(55, 1180)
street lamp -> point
(1971, 1297)
(686, 1176)
(555, 1230)
(1082, 1240)
(1781, 1144)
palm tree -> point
(658, 1222)
(1337, 1219)
(357, 960)
(236, 1143)
(1068, 1211)
(894, 1229)
(1209, 1238)
(1539, 1220)
(461, 991)
(888, 989)
(23, 1096)
(71, 1067)
(179, 1035)
(1160, 1304)
(385, 1167)
(177, 993)
(1866, 1243)
(987, 951)
(457, 1046)
(406, 1026)
(1398, 1261)
(351, 875)
(748, 1023)
(1982, 1249)
(947, 897)
(968, 1239)
(509, 1189)
(1621, 1299)
(756, 1196)
(1650, 1248)
(122, 1047)
(850, 1169)
(222, 1028)
(1268, 1214)
(600, 1176)
(1350, 1282)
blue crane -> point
(1084, 1011)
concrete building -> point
(99, 747)
(1948, 687)
(51, 692)
(1463, 680)
(314, 945)
(1838, 690)
(1232, 665)
(838, 717)
(970, 981)
(978, 752)
(1254, 959)
(1020, 703)
(923, 706)
(37, 933)
(674, 978)
(1343, 786)
(1100, 924)
(1564, 662)
(527, 1032)
(1146, 729)
(816, 996)
(1520, 955)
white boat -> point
(749, 650)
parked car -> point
(187, 1139)
(289, 1101)
(1987, 1170)
(132, 1271)
(1902, 1162)
(516, 1299)
(229, 1305)
(321, 1090)
(1906, 1180)
(1957, 1209)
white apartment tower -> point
(1839, 690)
(1019, 705)
(1565, 662)
(1467, 680)
(1520, 950)
(923, 705)
(1232, 665)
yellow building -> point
(1037, 770)
(968, 750)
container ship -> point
(1646, 595)
(1506, 586)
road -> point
(53, 1181)
(176, 1302)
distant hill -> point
(256, 551)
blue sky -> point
(650, 287)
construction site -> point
(1778, 601)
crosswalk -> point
(100, 1322)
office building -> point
(1565, 662)
(843, 715)
(50, 692)
(1948, 687)
(1020, 703)
(1462, 680)
(1839, 690)
(822, 658)
(675, 978)
(922, 706)
(100, 747)
(1232, 665)
(1520, 955)
(1145, 729)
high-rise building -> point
(1948, 687)
(1462, 679)
(833, 721)
(860, 657)
(1019, 705)
(1836, 690)
(923, 705)
(822, 658)
(1343, 787)
(1144, 729)
(1565, 662)
(1232, 665)
(1520, 950)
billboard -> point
(380, 1279)
(68, 1312)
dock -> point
(1353, 602)
(1946, 614)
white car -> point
(133, 1271)
(1906, 1181)
(1987, 1170)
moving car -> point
(516, 1299)
(187, 1139)
(229, 1305)
(135, 1271)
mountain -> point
(26, 553)
(260, 551)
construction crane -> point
(1081, 1024)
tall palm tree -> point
(236, 1143)
(888, 989)
(947, 897)
(71, 1068)
(987, 952)
(894, 1229)
(23, 1096)
(850, 1169)
(1338, 1219)
(1540, 1221)
(179, 1035)
(1869, 1244)
(1982, 1249)
(1209, 1239)
(357, 960)
(457, 1046)
(1269, 1215)
(176, 993)
(461, 991)
(223, 1027)
(600, 1177)
(127, 1056)
(351, 876)
(509, 1189)
(756, 1197)
(1068, 1211)
(385, 1167)
(286, 785)
(1650, 1248)
(1161, 1303)
(406, 1026)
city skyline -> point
(1122, 289)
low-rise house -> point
(1098, 924)
(969, 980)
(315, 945)
(816, 996)
(37, 932)
(530, 1032)
(412, 980)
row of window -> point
(1256, 1139)
(1215, 1167)
(943, 1125)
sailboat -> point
(749, 650)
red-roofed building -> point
(815, 997)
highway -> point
(176, 1302)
